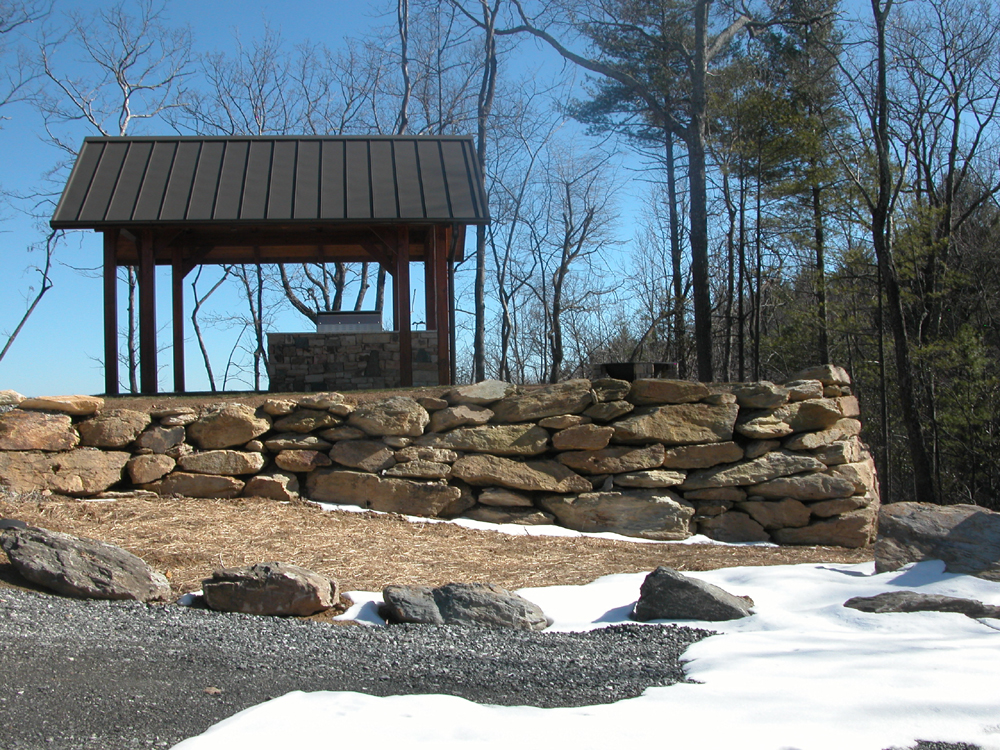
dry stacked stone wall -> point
(654, 459)
(346, 361)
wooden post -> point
(442, 305)
(401, 303)
(177, 315)
(147, 313)
(110, 312)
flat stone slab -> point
(79, 473)
(648, 514)
(81, 568)
(912, 601)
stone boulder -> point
(420, 469)
(609, 389)
(805, 441)
(301, 460)
(732, 527)
(482, 604)
(161, 439)
(227, 425)
(853, 529)
(459, 416)
(148, 468)
(669, 595)
(836, 506)
(965, 537)
(678, 424)
(196, 485)
(809, 487)
(847, 451)
(303, 421)
(426, 453)
(800, 416)
(660, 514)
(400, 415)
(482, 393)
(769, 466)
(10, 398)
(270, 589)
(321, 401)
(499, 440)
(530, 476)
(912, 601)
(802, 390)
(569, 397)
(517, 516)
(79, 473)
(77, 406)
(607, 411)
(36, 431)
(81, 568)
(779, 514)
(224, 462)
(650, 479)
(702, 456)
(826, 374)
(389, 495)
(584, 437)
(655, 391)
(366, 455)
(274, 485)
(498, 496)
(294, 441)
(760, 395)
(114, 428)
(617, 460)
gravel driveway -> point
(109, 675)
(116, 675)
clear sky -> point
(61, 347)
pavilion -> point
(189, 201)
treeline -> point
(814, 187)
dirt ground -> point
(187, 539)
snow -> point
(803, 673)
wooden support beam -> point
(432, 286)
(147, 313)
(110, 313)
(177, 315)
(401, 304)
(442, 305)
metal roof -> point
(257, 180)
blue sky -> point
(61, 347)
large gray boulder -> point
(912, 601)
(82, 568)
(270, 589)
(669, 595)
(648, 514)
(965, 537)
(482, 604)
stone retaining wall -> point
(655, 459)
(311, 362)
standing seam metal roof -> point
(254, 180)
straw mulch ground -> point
(186, 539)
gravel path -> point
(110, 675)
(121, 675)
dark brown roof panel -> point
(256, 180)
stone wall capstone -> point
(736, 462)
